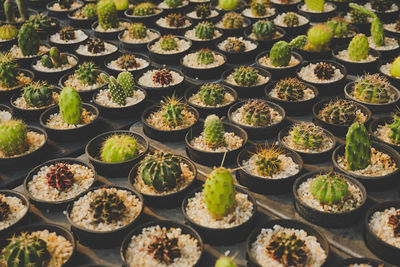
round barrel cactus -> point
(38, 94)
(280, 54)
(13, 139)
(329, 189)
(119, 148)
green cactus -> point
(168, 42)
(173, 111)
(324, 70)
(259, 7)
(107, 207)
(395, 68)
(137, 30)
(340, 27)
(65, 4)
(232, 20)
(9, 11)
(299, 42)
(268, 162)
(245, 76)
(290, 89)
(173, 3)
(175, 20)
(394, 129)
(13, 139)
(339, 112)
(70, 104)
(219, 192)
(234, 45)
(203, 11)
(119, 148)
(264, 30)
(126, 80)
(307, 135)
(212, 94)
(8, 70)
(40, 22)
(205, 56)
(8, 32)
(319, 38)
(214, 132)
(38, 94)
(358, 147)
(256, 113)
(26, 250)
(225, 261)
(117, 92)
(357, 17)
(372, 89)
(315, 5)
(358, 48)
(107, 14)
(291, 19)
(330, 188)
(89, 10)
(28, 40)
(87, 73)
(280, 54)
(144, 9)
(160, 170)
(55, 59)
(204, 30)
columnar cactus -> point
(212, 94)
(394, 132)
(340, 112)
(259, 7)
(330, 189)
(319, 38)
(280, 54)
(173, 111)
(28, 40)
(70, 104)
(214, 132)
(38, 94)
(119, 148)
(245, 76)
(168, 43)
(127, 82)
(264, 30)
(232, 20)
(290, 89)
(204, 56)
(8, 32)
(173, 3)
(315, 5)
(8, 70)
(204, 30)
(22, 9)
(372, 89)
(160, 170)
(13, 137)
(307, 135)
(107, 14)
(137, 30)
(117, 92)
(203, 11)
(358, 147)
(358, 48)
(9, 11)
(144, 9)
(176, 20)
(87, 73)
(219, 192)
(299, 42)
(291, 19)
(256, 113)
(267, 161)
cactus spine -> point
(372, 89)
(13, 140)
(291, 19)
(173, 111)
(257, 113)
(259, 7)
(205, 56)
(38, 94)
(107, 14)
(290, 89)
(219, 192)
(307, 135)
(280, 54)
(70, 106)
(358, 147)
(126, 80)
(28, 40)
(137, 30)
(117, 92)
(358, 48)
(329, 189)
(203, 11)
(87, 73)
(267, 161)
(168, 43)
(55, 59)
(212, 94)
(340, 112)
(173, 3)
(214, 132)
(264, 30)
(119, 148)
(299, 42)
(232, 20)
(245, 76)
(144, 9)
(204, 30)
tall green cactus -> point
(107, 14)
(28, 40)
(9, 11)
(358, 47)
(358, 147)
(214, 131)
(13, 140)
(117, 92)
(70, 104)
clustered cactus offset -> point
(330, 188)
(38, 94)
(118, 92)
(119, 148)
(55, 59)
(212, 94)
(358, 147)
(256, 113)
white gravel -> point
(4, 116)
(74, 5)
(104, 98)
(190, 34)
(17, 210)
(74, 82)
(55, 120)
(378, 224)
(390, 27)
(237, 116)
(16, 52)
(196, 100)
(232, 142)
(150, 36)
(122, 25)
(162, 22)
(156, 120)
(279, 20)
(71, 63)
(248, 13)
(147, 79)
(109, 49)
(389, 44)
(141, 61)
(190, 60)
(327, 8)
(307, 74)
(383, 132)
(344, 55)
(183, 45)
(265, 61)
(393, 8)
(249, 44)
(385, 69)
(79, 37)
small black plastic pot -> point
(29, 114)
(170, 59)
(312, 56)
(86, 95)
(108, 35)
(235, 32)
(55, 25)
(259, 132)
(157, 93)
(53, 76)
(179, 9)
(388, 54)
(25, 217)
(395, 81)
(205, 111)
(37, 3)
(263, 185)
(222, 236)
(297, 30)
(25, 62)
(326, 89)
(80, 23)
(119, 169)
(248, 91)
(98, 59)
(6, 94)
(165, 135)
(357, 68)
(187, 230)
(311, 231)
(7, 44)
(147, 20)
(373, 126)
(379, 247)
(115, 56)
(293, 108)
(166, 201)
(174, 31)
(386, 107)
(240, 57)
(60, 204)
(68, 46)
(103, 239)
(317, 16)
(307, 157)
(265, 44)
(353, 261)
(62, 14)
(372, 183)
(197, 44)
(339, 130)
(205, 73)
(209, 158)
(255, 19)
(323, 218)
(283, 7)
(134, 46)
(27, 159)
(52, 228)
(279, 72)
(72, 134)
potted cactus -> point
(314, 202)
(18, 14)
(225, 6)
(259, 9)
(203, 11)
(221, 213)
(211, 98)
(215, 140)
(204, 34)
(265, 33)
(137, 36)
(391, 70)
(238, 49)
(173, 23)
(122, 98)
(145, 12)
(163, 178)
(293, 23)
(68, 38)
(169, 120)
(343, 31)
(44, 25)
(60, 8)
(386, 10)
(71, 119)
(373, 91)
(168, 48)
(84, 16)
(132, 62)
(259, 118)
(376, 165)
(293, 95)
(96, 50)
(233, 24)
(203, 64)
(268, 169)
(110, 213)
(337, 115)
(386, 129)
(317, 10)
(5, 113)
(313, 143)
(14, 211)
(8, 35)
